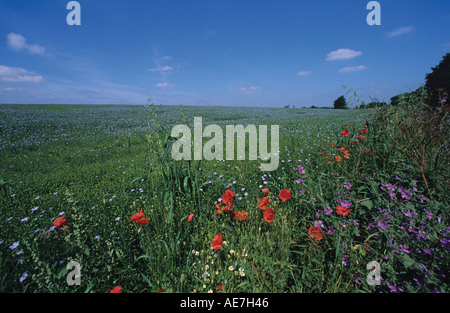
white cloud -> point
(165, 68)
(251, 90)
(304, 73)
(18, 75)
(18, 42)
(7, 89)
(342, 54)
(400, 31)
(163, 85)
(350, 69)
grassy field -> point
(357, 198)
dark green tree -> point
(438, 82)
(340, 103)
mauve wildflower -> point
(347, 185)
(422, 235)
(345, 260)
(299, 181)
(445, 243)
(331, 229)
(405, 193)
(328, 211)
(428, 251)
(24, 276)
(346, 203)
(390, 187)
(383, 224)
(394, 288)
(402, 249)
(14, 245)
(429, 215)
(318, 224)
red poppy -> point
(217, 242)
(60, 222)
(269, 215)
(139, 218)
(367, 246)
(364, 131)
(160, 290)
(190, 217)
(227, 197)
(116, 289)
(285, 195)
(338, 158)
(345, 132)
(342, 211)
(346, 155)
(220, 209)
(240, 215)
(346, 125)
(220, 287)
(314, 232)
(263, 203)
(265, 190)
(342, 149)
(333, 144)
(360, 137)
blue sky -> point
(217, 52)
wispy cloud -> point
(18, 75)
(400, 31)
(350, 69)
(304, 73)
(18, 42)
(251, 90)
(161, 69)
(342, 54)
(446, 46)
(163, 85)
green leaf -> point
(408, 261)
(367, 203)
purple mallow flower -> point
(383, 224)
(406, 194)
(318, 224)
(402, 249)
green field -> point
(98, 165)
